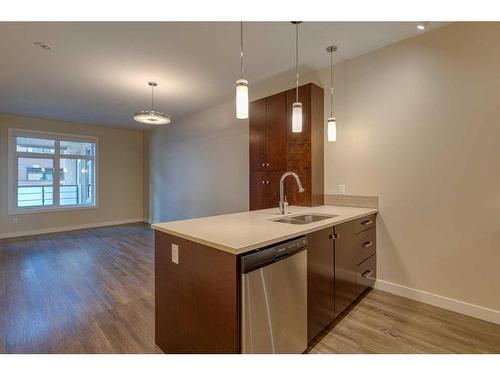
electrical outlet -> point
(340, 189)
(175, 253)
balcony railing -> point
(43, 195)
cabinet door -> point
(264, 189)
(258, 189)
(305, 99)
(320, 281)
(257, 133)
(346, 288)
(276, 132)
(366, 273)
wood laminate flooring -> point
(88, 291)
(92, 291)
(382, 323)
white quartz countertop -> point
(245, 231)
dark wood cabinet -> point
(366, 273)
(267, 123)
(345, 277)
(258, 189)
(364, 245)
(341, 264)
(276, 133)
(355, 260)
(275, 148)
(264, 189)
(320, 281)
(198, 298)
(257, 133)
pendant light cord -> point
(297, 61)
(152, 97)
(331, 84)
(241, 49)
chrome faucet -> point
(283, 202)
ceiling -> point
(98, 72)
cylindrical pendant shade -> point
(297, 117)
(332, 129)
(242, 99)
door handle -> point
(367, 244)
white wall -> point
(120, 185)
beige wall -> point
(418, 125)
(120, 171)
(198, 166)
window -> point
(50, 171)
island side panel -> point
(196, 301)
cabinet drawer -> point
(365, 245)
(364, 223)
(366, 273)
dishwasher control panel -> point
(272, 254)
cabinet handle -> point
(367, 222)
(263, 164)
(367, 274)
(267, 164)
(367, 244)
(263, 181)
(267, 182)
(333, 236)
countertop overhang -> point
(242, 232)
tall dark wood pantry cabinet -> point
(275, 149)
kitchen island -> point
(197, 271)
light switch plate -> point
(175, 253)
(341, 189)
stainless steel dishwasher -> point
(274, 299)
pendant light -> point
(332, 122)
(152, 117)
(241, 86)
(297, 106)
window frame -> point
(12, 173)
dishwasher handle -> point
(274, 253)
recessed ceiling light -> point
(43, 45)
(422, 25)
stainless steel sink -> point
(304, 219)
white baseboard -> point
(451, 304)
(70, 227)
